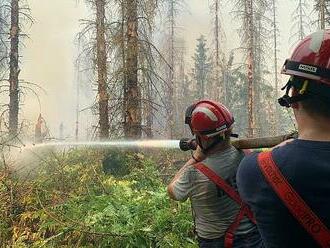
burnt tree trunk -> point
(101, 61)
(170, 88)
(14, 70)
(322, 10)
(277, 110)
(132, 92)
(250, 74)
(149, 111)
(220, 91)
(301, 20)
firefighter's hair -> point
(318, 101)
(318, 106)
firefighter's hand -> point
(198, 154)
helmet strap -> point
(286, 100)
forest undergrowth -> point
(84, 198)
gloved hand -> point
(198, 154)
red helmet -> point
(311, 58)
(209, 118)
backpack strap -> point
(232, 193)
(296, 205)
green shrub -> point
(75, 204)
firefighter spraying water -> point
(208, 179)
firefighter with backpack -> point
(288, 189)
(209, 180)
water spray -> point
(184, 144)
(169, 144)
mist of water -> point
(30, 155)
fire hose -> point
(187, 144)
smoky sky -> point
(49, 53)
(48, 59)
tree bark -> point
(277, 111)
(322, 14)
(251, 114)
(14, 70)
(301, 17)
(102, 70)
(149, 111)
(170, 91)
(132, 91)
(77, 101)
(220, 93)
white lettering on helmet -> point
(206, 111)
(223, 127)
(317, 39)
(308, 68)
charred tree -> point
(101, 59)
(276, 79)
(3, 45)
(250, 64)
(149, 112)
(77, 67)
(132, 93)
(220, 92)
(322, 14)
(217, 50)
(14, 69)
(183, 94)
(254, 39)
(132, 63)
(170, 91)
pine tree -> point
(255, 37)
(300, 20)
(202, 68)
(322, 7)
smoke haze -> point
(48, 56)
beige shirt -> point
(214, 210)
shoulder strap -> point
(296, 205)
(208, 172)
(247, 151)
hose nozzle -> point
(187, 144)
